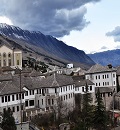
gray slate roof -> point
(97, 68)
(56, 80)
(8, 87)
(5, 77)
(11, 84)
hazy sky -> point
(89, 25)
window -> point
(4, 62)
(53, 101)
(107, 76)
(22, 95)
(103, 76)
(26, 103)
(66, 88)
(9, 55)
(16, 96)
(61, 89)
(5, 98)
(96, 84)
(19, 96)
(31, 102)
(99, 76)
(90, 88)
(17, 108)
(40, 91)
(42, 101)
(13, 98)
(8, 98)
(99, 84)
(37, 91)
(82, 89)
(4, 55)
(96, 76)
(66, 97)
(114, 82)
(26, 93)
(31, 92)
(55, 90)
(48, 101)
(2, 99)
(113, 75)
(18, 62)
(103, 83)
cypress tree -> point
(87, 109)
(100, 115)
(8, 122)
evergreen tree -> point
(87, 109)
(100, 116)
(8, 122)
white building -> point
(104, 78)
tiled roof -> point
(83, 83)
(56, 80)
(99, 68)
(11, 84)
(8, 87)
(103, 89)
(5, 77)
(6, 68)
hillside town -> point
(29, 92)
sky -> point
(89, 25)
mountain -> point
(46, 45)
(107, 57)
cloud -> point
(115, 34)
(117, 47)
(103, 48)
(52, 17)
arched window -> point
(4, 55)
(9, 59)
(9, 55)
(4, 59)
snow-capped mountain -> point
(107, 57)
(46, 43)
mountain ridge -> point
(47, 44)
(107, 57)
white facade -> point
(104, 79)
